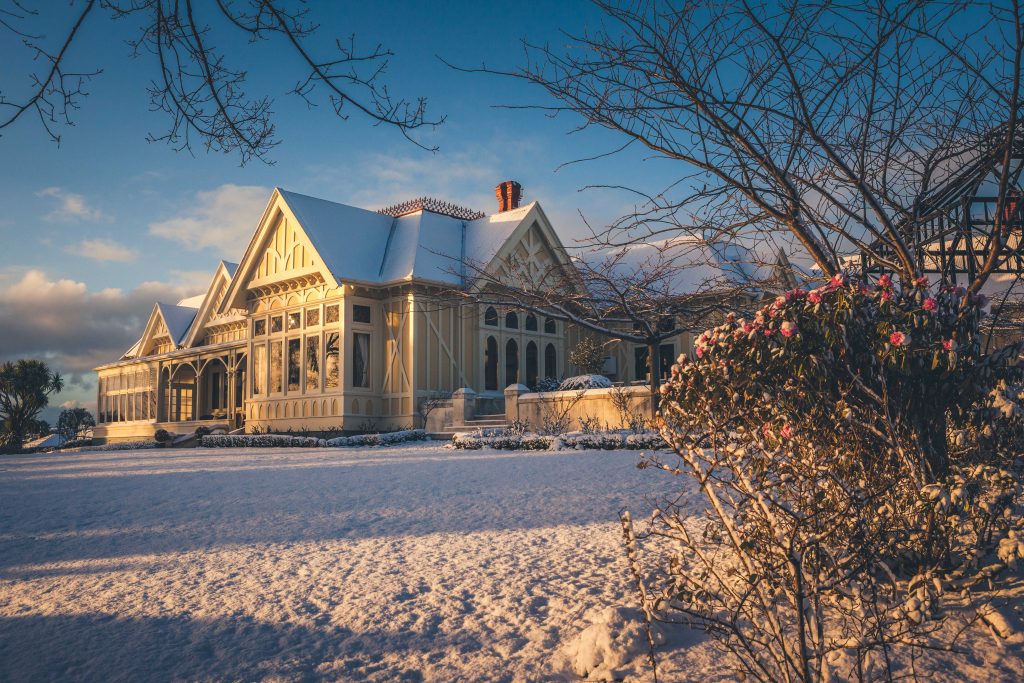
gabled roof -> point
(178, 319)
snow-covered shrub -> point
(582, 382)
(290, 441)
(590, 424)
(547, 384)
(122, 446)
(629, 417)
(837, 512)
(162, 436)
(588, 355)
(76, 443)
(510, 441)
(202, 431)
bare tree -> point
(196, 85)
(831, 122)
(614, 294)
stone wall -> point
(536, 408)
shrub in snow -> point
(585, 382)
(856, 467)
(511, 441)
(588, 355)
(122, 446)
(547, 384)
(162, 436)
(290, 441)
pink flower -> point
(899, 339)
(921, 281)
(786, 431)
(930, 304)
(699, 350)
(788, 329)
(767, 333)
(814, 296)
(885, 281)
(948, 344)
(795, 294)
(747, 327)
(779, 302)
(886, 295)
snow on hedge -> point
(580, 382)
(120, 446)
(604, 441)
(290, 441)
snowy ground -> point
(411, 563)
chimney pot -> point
(508, 193)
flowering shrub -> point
(839, 508)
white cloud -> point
(223, 219)
(71, 404)
(102, 250)
(70, 206)
(72, 328)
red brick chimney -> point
(508, 193)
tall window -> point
(259, 368)
(331, 360)
(511, 362)
(313, 362)
(531, 363)
(666, 357)
(360, 360)
(550, 362)
(491, 365)
(294, 364)
(531, 322)
(491, 317)
(512, 320)
(276, 363)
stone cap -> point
(515, 389)
(464, 391)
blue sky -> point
(106, 223)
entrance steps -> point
(482, 422)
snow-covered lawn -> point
(410, 563)
(406, 563)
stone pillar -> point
(512, 394)
(463, 405)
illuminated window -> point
(276, 366)
(331, 314)
(259, 327)
(259, 368)
(331, 356)
(276, 323)
(312, 317)
(313, 362)
(361, 360)
(294, 320)
(294, 364)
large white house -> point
(331, 320)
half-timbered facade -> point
(334, 319)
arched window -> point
(549, 325)
(491, 317)
(491, 365)
(511, 362)
(550, 362)
(531, 364)
(531, 322)
(512, 320)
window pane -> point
(360, 314)
(491, 317)
(549, 325)
(512, 320)
(259, 327)
(295, 320)
(312, 317)
(312, 362)
(331, 360)
(361, 360)
(275, 323)
(259, 368)
(331, 314)
(276, 366)
(531, 322)
(294, 364)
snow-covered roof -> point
(178, 319)
(367, 246)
